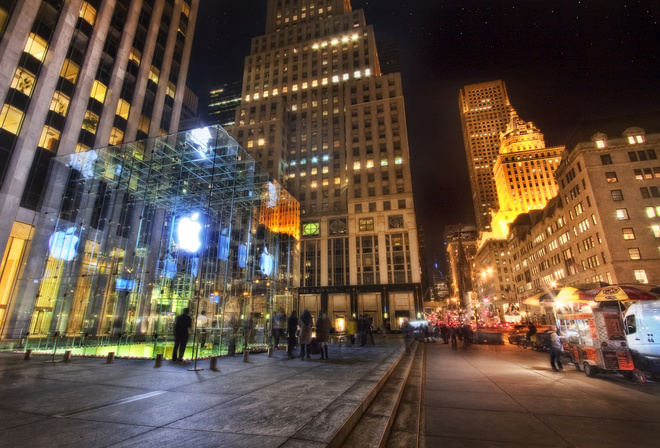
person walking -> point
(453, 334)
(279, 320)
(362, 330)
(467, 335)
(292, 329)
(370, 330)
(305, 338)
(202, 323)
(182, 327)
(323, 325)
(556, 350)
(445, 333)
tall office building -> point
(319, 115)
(524, 173)
(77, 75)
(485, 113)
(223, 102)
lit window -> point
(90, 122)
(116, 137)
(656, 231)
(292, 175)
(49, 138)
(398, 160)
(357, 74)
(171, 90)
(356, 165)
(154, 74)
(314, 184)
(36, 46)
(81, 148)
(23, 81)
(370, 163)
(628, 233)
(88, 13)
(335, 78)
(60, 103)
(185, 9)
(634, 254)
(250, 144)
(70, 71)
(143, 124)
(639, 138)
(622, 214)
(123, 108)
(366, 224)
(326, 170)
(135, 56)
(338, 181)
(325, 182)
(261, 142)
(303, 174)
(367, 72)
(314, 171)
(611, 177)
(650, 212)
(383, 162)
(345, 76)
(311, 229)
(304, 85)
(631, 139)
(3, 19)
(600, 143)
(98, 91)
(640, 276)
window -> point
(639, 175)
(60, 103)
(88, 13)
(366, 224)
(617, 195)
(656, 231)
(23, 81)
(135, 56)
(640, 276)
(116, 137)
(123, 107)
(652, 212)
(10, 119)
(395, 222)
(611, 177)
(171, 90)
(310, 229)
(143, 124)
(36, 46)
(70, 71)
(154, 74)
(634, 254)
(628, 233)
(358, 208)
(49, 138)
(606, 159)
(632, 156)
(622, 214)
(90, 122)
(645, 192)
(98, 91)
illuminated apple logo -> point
(188, 232)
(63, 245)
(266, 262)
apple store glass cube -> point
(148, 228)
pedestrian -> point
(556, 351)
(305, 333)
(279, 320)
(292, 330)
(182, 327)
(352, 329)
(453, 334)
(202, 322)
(467, 335)
(407, 330)
(370, 330)
(445, 333)
(323, 325)
(362, 330)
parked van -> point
(642, 326)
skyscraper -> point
(485, 113)
(77, 75)
(318, 114)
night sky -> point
(563, 62)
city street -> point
(506, 396)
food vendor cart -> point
(596, 341)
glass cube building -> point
(130, 235)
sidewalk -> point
(504, 396)
(267, 402)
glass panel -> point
(60, 103)
(36, 46)
(70, 71)
(23, 81)
(88, 13)
(10, 119)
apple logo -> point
(223, 245)
(266, 262)
(63, 245)
(242, 255)
(188, 232)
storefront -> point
(130, 235)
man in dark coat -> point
(182, 326)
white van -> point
(642, 326)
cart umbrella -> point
(616, 293)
